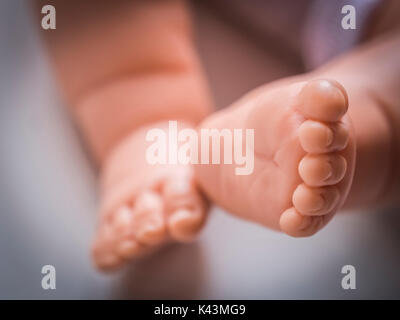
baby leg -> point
(322, 140)
(126, 67)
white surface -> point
(48, 202)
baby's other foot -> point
(144, 206)
(304, 154)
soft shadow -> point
(176, 272)
(388, 221)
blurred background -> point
(48, 194)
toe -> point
(315, 201)
(323, 100)
(103, 253)
(122, 220)
(322, 170)
(318, 137)
(184, 224)
(107, 261)
(296, 225)
(129, 248)
(148, 221)
(125, 245)
(186, 210)
(179, 192)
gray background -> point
(48, 200)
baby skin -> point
(322, 139)
(144, 206)
(319, 143)
(125, 68)
(304, 152)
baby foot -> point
(304, 156)
(144, 206)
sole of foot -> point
(304, 151)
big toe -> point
(185, 207)
(323, 100)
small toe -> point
(151, 234)
(323, 100)
(122, 220)
(129, 248)
(148, 221)
(103, 255)
(315, 201)
(318, 137)
(323, 169)
(296, 225)
(108, 262)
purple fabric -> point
(312, 27)
(323, 35)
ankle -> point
(376, 175)
(391, 111)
